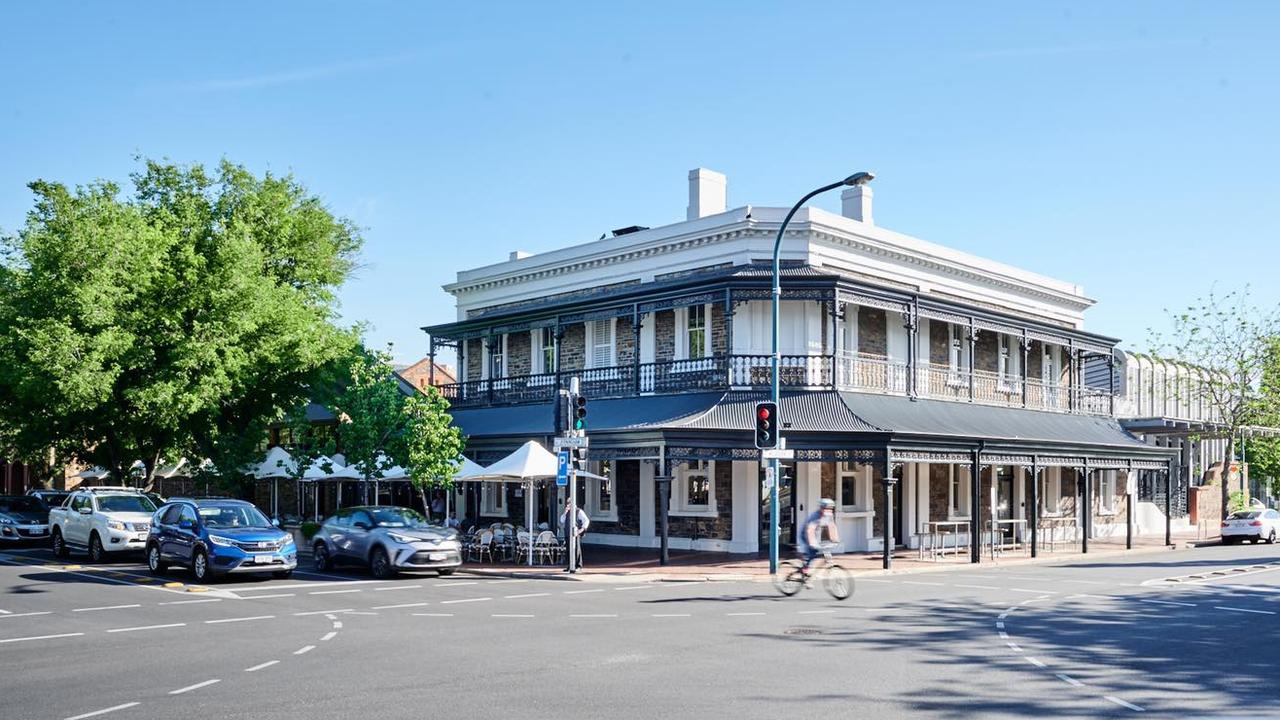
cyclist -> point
(811, 533)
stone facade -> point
(719, 527)
(475, 358)
(873, 331)
(664, 334)
(573, 347)
(625, 338)
(939, 343)
(986, 351)
(939, 491)
(519, 354)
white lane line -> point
(335, 592)
(261, 666)
(433, 614)
(1085, 582)
(106, 607)
(239, 619)
(815, 612)
(873, 580)
(1070, 680)
(466, 600)
(321, 612)
(526, 595)
(397, 587)
(1244, 610)
(499, 582)
(191, 602)
(582, 592)
(1087, 595)
(304, 649)
(266, 597)
(594, 615)
(999, 624)
(1123, 704)
(304, 586)
(456, 584)
(977, 587)
(742, 614)
(397, 607)
(920, 582)
(329, 636)
(1167, 602)
(146, 627)
(671, 615)
(29, 614)
(633, 587)
(197, 686)
(1014, 647)
(1004, 635)
(508, 615)
(103, 711)
(1035, 661)
(337, 624)
(41, 637)
(1037, 592)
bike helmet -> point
(827, 504)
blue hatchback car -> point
(217, 536)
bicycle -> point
(835, 580)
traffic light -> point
(766, 425)
(578, 413)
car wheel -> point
(282, 574)
(380, 564)
(445, 572)
(60, 548)
(1271, 539)
(200, 567)
(96, 552)
(154, 563)
(320, 557)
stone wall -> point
(475, 358)
(573, 347)
(1035, 360)
(939, 342)
(939, 491)
(719, 527)
(519, 354)
(626, 497)
(986, 351)
(664, 333)
(719, 330)
(625, 340)
(872, 331)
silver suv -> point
(385, 539)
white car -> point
(101, 521)
(1253, 525)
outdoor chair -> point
(545, 546)
(485, 545)
(523, 540)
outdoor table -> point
(937, 535)
(1053, 525)
(997, 534)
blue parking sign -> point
(562, 470)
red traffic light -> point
(762, 412)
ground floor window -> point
(1051, 491)
(853, 482)
(600, 504)
(1106, 488)
(958, 500)
(693, 491)
(493, 499)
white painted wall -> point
(746, 504)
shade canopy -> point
(530, 461)
(278, 464)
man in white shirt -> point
(574, 535)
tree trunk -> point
(1226, 471)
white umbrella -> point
(277, 464)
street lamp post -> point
(860, 178)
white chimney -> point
(855, 203)
(518, 255)
(707, 193)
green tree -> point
(1263, 448)
(177, 320)
(1231, 341)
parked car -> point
(1252, 525)
(385, 539)
(52, 498)
(23, 519)
(218, 536)
(101, 520)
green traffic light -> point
(579, 424)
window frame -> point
(1106, 491)
(860, 475)
(1008, 364)
(589, 340)
(497, 361)
(957, 356)
(542, 355)
(1050, 475)
(493, 500)
(679, 504)
(962, 482)
(594, 511)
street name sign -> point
(570, 442)
(777, 454)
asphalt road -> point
(1101, 637)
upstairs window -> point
(693, 335)
(498, 357)
(543, 348)
(958, 355)
(1010, 368)
(600, 343)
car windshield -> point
(126, 503)
(233, 516)
(22, 504)
(1244, 515)
(53, 499)
(399, 518)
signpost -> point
(562, 468)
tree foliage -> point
(176, 320)
(1263, 451)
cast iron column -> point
(1168, 503)
(887, 559)
(1086, 516)
(975, 517)
(1035, 500)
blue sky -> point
(1127, 147)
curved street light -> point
(858, 178)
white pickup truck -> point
(100, 521)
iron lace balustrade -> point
(795, 372)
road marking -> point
(1070, 680)
(977, 587)
(103, 711)
(742, 614)
(511, 616)
(456, 584)
(1014, 647)
(321, 612)
(329, 636)
(106, 607)
(5, 612)
(873, 580)
(633, 587)
(396, 607)
(1084, 582)
(1004, 635)
(397, 587)
(265, 597)
(919, 582)
(526, 595)
(594, 615)
(467, 600)
(815, 612)
(582, 592)
(1037, 592)
(304, 649)
(519, 580)
(1123, 704)
(1167, 602)
(41, 637)
(999, 624)
(197, 686)
(335, 592)
(239, 619)
(1244, 610)
(337, 624)
(433, 614)
(189, 602)
(1035, 661)
(29, 614)
(146, 627)
(670, 615)
(266, 664)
